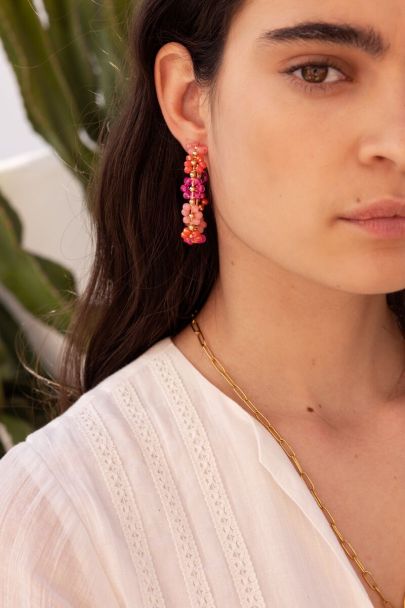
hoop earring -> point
(194, 190)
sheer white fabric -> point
(157, 490)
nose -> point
(384, 142)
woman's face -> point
(291, 153)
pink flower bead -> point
(186, 209)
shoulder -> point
(93, 457)
(47, 555)
(158, 404)
(142, 460)
(96, 419)
(74, 488)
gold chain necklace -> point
(368, 577)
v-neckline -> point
(273, 458)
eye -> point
(315, 75)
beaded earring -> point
(193, 189)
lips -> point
(383, 208)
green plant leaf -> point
(51, 105)
(70, 41)
(60, 277)
(14, 378)
(117, 13)
(102, 22)
(7, 368)
(70, 72)
(8, 332)
(16, 427)
(12, 216)
(21, 274)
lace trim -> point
(203, 459)
(187, 551)
(124, 502)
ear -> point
(180, 98)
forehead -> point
(384, 20)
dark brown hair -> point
(145, 282)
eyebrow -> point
(365, 38)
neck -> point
(299, 349)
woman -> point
(168, 480)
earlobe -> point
(178, 93)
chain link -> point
(367, 576)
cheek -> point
(280, 170)
(267, 184)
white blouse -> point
(154, 490)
